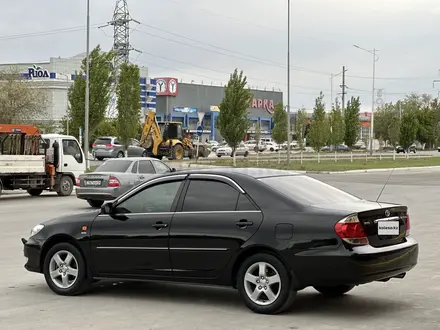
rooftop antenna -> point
(383, 188)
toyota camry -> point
(267, 233)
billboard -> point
(166, 86)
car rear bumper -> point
(32, 254)
(104, 153)
(101, 194)
(361, 265)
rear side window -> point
(115, 166)
(308, 191)
(145, 167)
(103, 141)
(205, 195)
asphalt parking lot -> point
(411, 303)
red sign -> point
(268, 105)
(167, 87)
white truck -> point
(34, 162)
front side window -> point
(161, 168)
(154, 199)
(72, 148)
(207, 195)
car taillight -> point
(113, 182)
(350, 230)
(78, 181)
(109, 145)
(408, 226)
(94, 145)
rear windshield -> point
(103, 141)
(308, 191)
(114, 166)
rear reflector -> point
(78, 181)
(113, 182)
(350, 230)
(408, 226)
(109, 145)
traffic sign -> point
(199, 131)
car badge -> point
(387, 213)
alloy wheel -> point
(63, 269)
(262, 283)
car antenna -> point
(383, 188)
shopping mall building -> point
(192, 104)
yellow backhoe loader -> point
(167, 139)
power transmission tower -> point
(121, 44)
(343, 86)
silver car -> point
(110, 147)
(116, 176)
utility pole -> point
(86, 110)
(343, 86)
(289, 135)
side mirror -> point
(173, 170)
(107, 208)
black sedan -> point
(268, 233)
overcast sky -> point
(204, 40)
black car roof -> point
(256, 173)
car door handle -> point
(141, 177)
(244, 223)
(159, 225)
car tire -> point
(334, 291)
(282, 295)
(218, 156)
(35, 192)
(272, 149)
(120, 154)
(177, 152)
(246, 154)
(65, 187)
(95, 203)
(74, 280)
(100, 158)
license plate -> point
(388, 228)
(93, 183)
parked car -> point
(116, 176)
(293, 145)
(272, 146)
(265, 232)
(241, 150)
(222, 144)
(110, 147)
(339, 148)
(252, 145)
(400, 149)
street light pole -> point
(86, 110)
(289, 135)
(375, 59)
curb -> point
(375, 170)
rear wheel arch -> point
(252, 250)
(56, 239)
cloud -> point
(206, 40)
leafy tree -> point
(101, 80)
(300, 127)
(426, 125)
(233, 121)
(319, 126)
(437, 140)
(336, 123)
(279, 131)
(21, 101)
(394, 132)
(128, 103)
(352, 123)
(408, 128)
(383, 117)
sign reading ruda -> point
(36, 71)
(268, 105)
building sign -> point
(36, 71)
(365, 116)
(185, 109)
(167, 87)
(214, 108)
(268, 105)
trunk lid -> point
(383, 223)
(97, 180)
